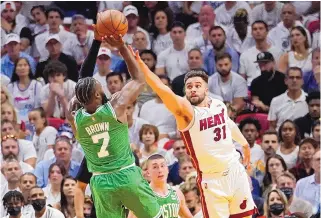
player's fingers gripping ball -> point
(111, 23)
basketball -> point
(111, 22)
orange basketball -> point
(111, 22)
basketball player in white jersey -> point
(208, 132)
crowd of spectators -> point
(263, 62)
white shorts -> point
(227, 194)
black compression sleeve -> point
(87, 68)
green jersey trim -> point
(169, 189)
(112, 109)
(85, 113)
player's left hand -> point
(114, 42)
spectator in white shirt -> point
(39, 16)
(84, 40)
(140, 41)
(239, 37)
(269, 12)
(291, 104)
(286, 183)
(206, 19)
(24, 88)
(27, 181)
(103, 62)
(250, 128)
(289, 136)
(161, 116)
(44, 136)
(173, 61)
(38, 201)
(134, 125)
(115, 82)
(300, 54)
(55, 18)
(228, 84)
(59, 89)
(160, 32)
(10, 150)
(57, 172)
(225, 12)
(27, 151)
(131, 13)
(13, 204)
(12, 172)
(280, 35)
(249, 69)
(12, 22)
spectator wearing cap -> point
(308, 188)
(280, 35)
(225, 12)
(11, 21)
(292, 103)
(217, 37)
(39, 16)
(132, 16)
(312, 79)
(54, 46)
(103, 62)
(269, 12)
(84, 40)
(249, 69)
(12, 46)
(268, 85)
(27, 152)
(173, 61)
(63, 151)
(228, 84)
(44, 135)
(59, 91)
(54, 18)
(305, 123)
(239, 37)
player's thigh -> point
(138, 196)
(214, 197)
(106, 197)
(242, 204)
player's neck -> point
(205, 103)
(159, 187)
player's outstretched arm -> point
(87, 68)
(239, 138)
(180, 107)
(183, 209)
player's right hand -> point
(114, 42)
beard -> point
(10, 156)
(196, 100)
(224, 73)
(218, 47)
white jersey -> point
(209, 140)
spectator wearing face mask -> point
(276, 204)
(286, 183)
(13, 202)
(38, 202)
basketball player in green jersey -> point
(170, 199)
(101, 129)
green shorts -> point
(125, 188)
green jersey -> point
(104, 139)
(170, 203)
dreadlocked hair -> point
(85, 89)
(12, 195)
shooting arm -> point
(79, 199)
(87, 68)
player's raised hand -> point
(135, 54)
(114, 42)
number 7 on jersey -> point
(103, 150)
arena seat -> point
(55, 122)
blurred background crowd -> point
(270, 81)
